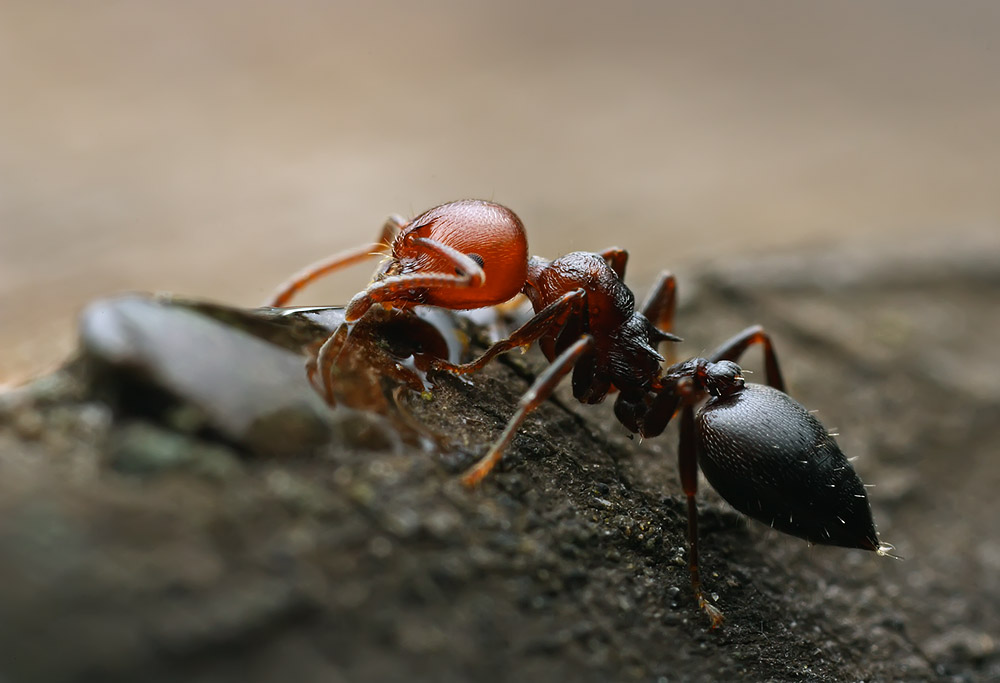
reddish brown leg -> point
(539, 391)
(617, 259)
(335, 262)
(464, 273)
(550, 317)
(733, 348)
(659, 307)
(688, 464)
(661, 302)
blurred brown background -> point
(212, 148)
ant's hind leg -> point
(733, 348)
(688, 465)
(345, 258)
(534, 397)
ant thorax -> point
(633, 359)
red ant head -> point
(489, 234)
(462, 255)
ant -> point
(760, 449)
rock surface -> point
(162, 539)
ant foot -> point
(472, 478)
(714, 613)
(455, 369)
(479, 471)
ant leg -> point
(345, 258)
(319, 367)
(466, 273)
(661, 302)
(688, 464)
(733, 348)
(499, 325)
(539, 391)
(550, 317)
(326, 365)
(659, 307)
(616, 258)
(659, 412)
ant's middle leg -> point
(534, 397)
(464, 271)
(733, 348)
(616, 259)
(659, 308)
(661, 302)
(345, 258)
(549, 318)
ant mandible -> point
(761, 450)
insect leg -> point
(733, 348)
(549, 318)
(617, 260)
(345, 258)
(539, 391)
(688, 464)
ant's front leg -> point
(733, 348)
(551, 317)
(464, 272)
(317, 270)
(532, 398)
(325, 368)
(320, 365)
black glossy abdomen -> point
(772, 460)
